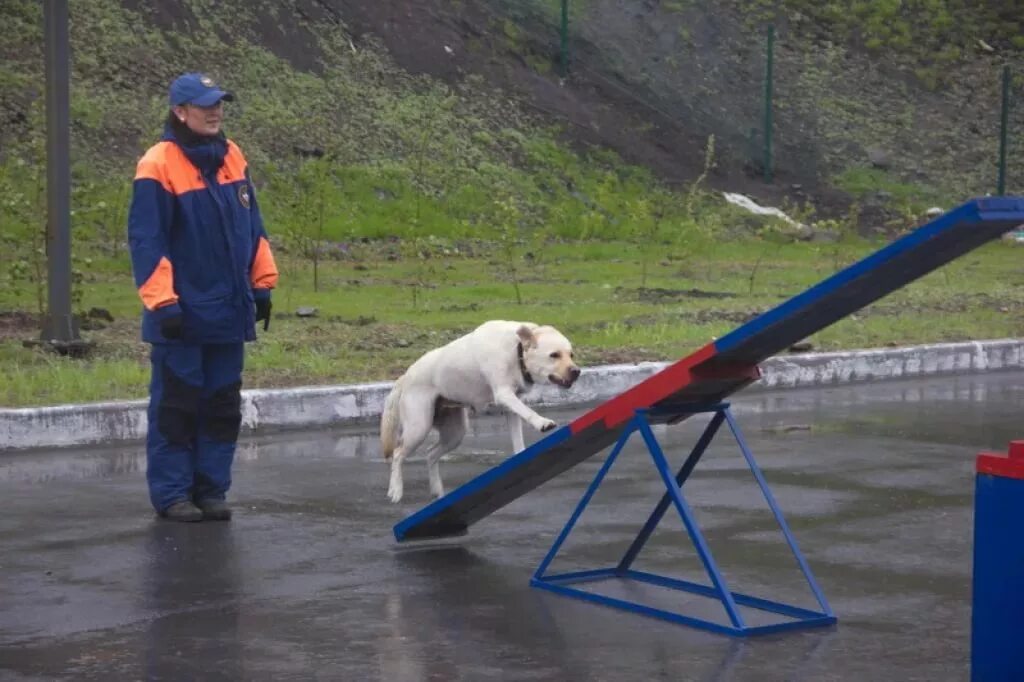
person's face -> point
(201, 120)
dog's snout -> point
(574, 373)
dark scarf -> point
(206, 152)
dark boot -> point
(182, 511)
(214, 510)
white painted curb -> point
(338, 406)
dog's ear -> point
(526, 336)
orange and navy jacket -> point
(197, 242)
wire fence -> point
(785, 105)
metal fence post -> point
(768, 78)
(1003, 125)
(59, 326)
(564, 34)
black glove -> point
(263, 307)
(171, 328)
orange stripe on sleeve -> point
(158, 290)
(264, 269)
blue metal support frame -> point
(641, 422)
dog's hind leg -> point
(451, 424)
(417, 415)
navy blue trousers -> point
(195, 412)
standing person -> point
(204, 271)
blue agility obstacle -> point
(997, 588)
(697, 384)
(795, 617)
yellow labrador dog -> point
(492, 364)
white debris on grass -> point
(749, 204)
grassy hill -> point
(406, 151)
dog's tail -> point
(389, 422)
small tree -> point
(317, 208)
(695, 225)
(507, 220)
(424, 125)
(645, 217)
(695, 192)
(106, 209)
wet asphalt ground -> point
(876, 482)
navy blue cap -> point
(197, 89)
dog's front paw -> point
(395, 494)
(544, 425)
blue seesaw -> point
(699, 384)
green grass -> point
(861, 181)
(933, 35)
(434, 198)
(368, 328)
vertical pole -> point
(584, 501)
(59, 325)
(721, 589)
(564, 32)
(768, 82)
(776, 511)
(1003, 125)
(997, 594)
(666, 500)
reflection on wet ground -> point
(876, 482)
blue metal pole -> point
(818, 594)
(683, 508)
(584, 501)
(666, 499)
(998, 573)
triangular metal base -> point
(796, 617)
